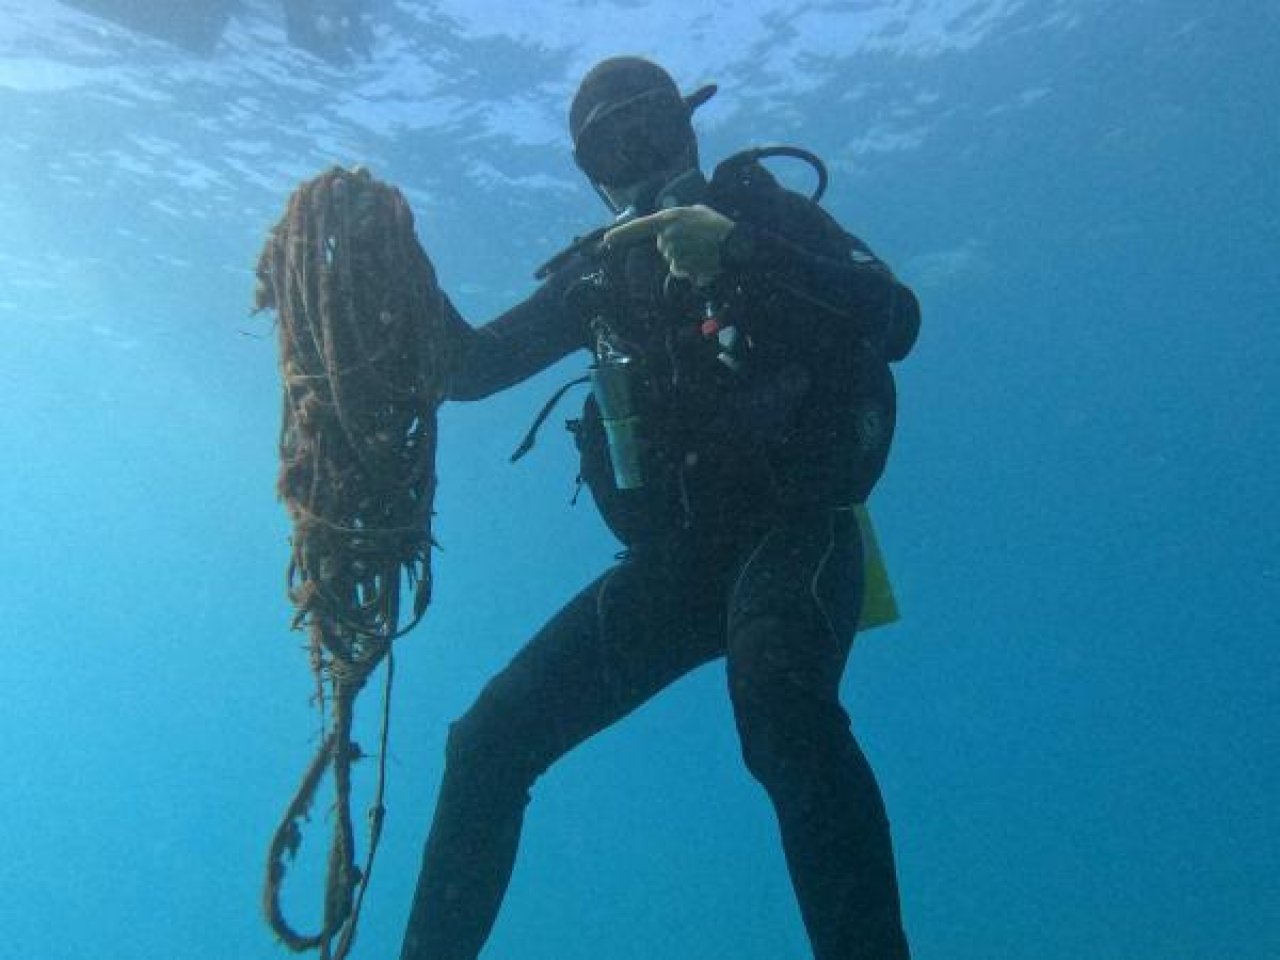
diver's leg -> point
(610, 649)
(792, 616)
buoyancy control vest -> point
(728, 426)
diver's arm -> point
(852, 287)
(525, 340)
(803, 255)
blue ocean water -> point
(1076, 722)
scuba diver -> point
(741, 409)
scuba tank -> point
(611, 378)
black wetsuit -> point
(741, 544)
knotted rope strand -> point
(363, 356)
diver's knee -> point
(760, 713)
(482, 749)
(787, 720)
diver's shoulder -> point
(747, 192)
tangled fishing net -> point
(363, 356)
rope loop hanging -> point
(364, 354)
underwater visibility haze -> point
(1074, 723)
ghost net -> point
(363, 356)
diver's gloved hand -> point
(688, 238)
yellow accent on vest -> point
(879, 606)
